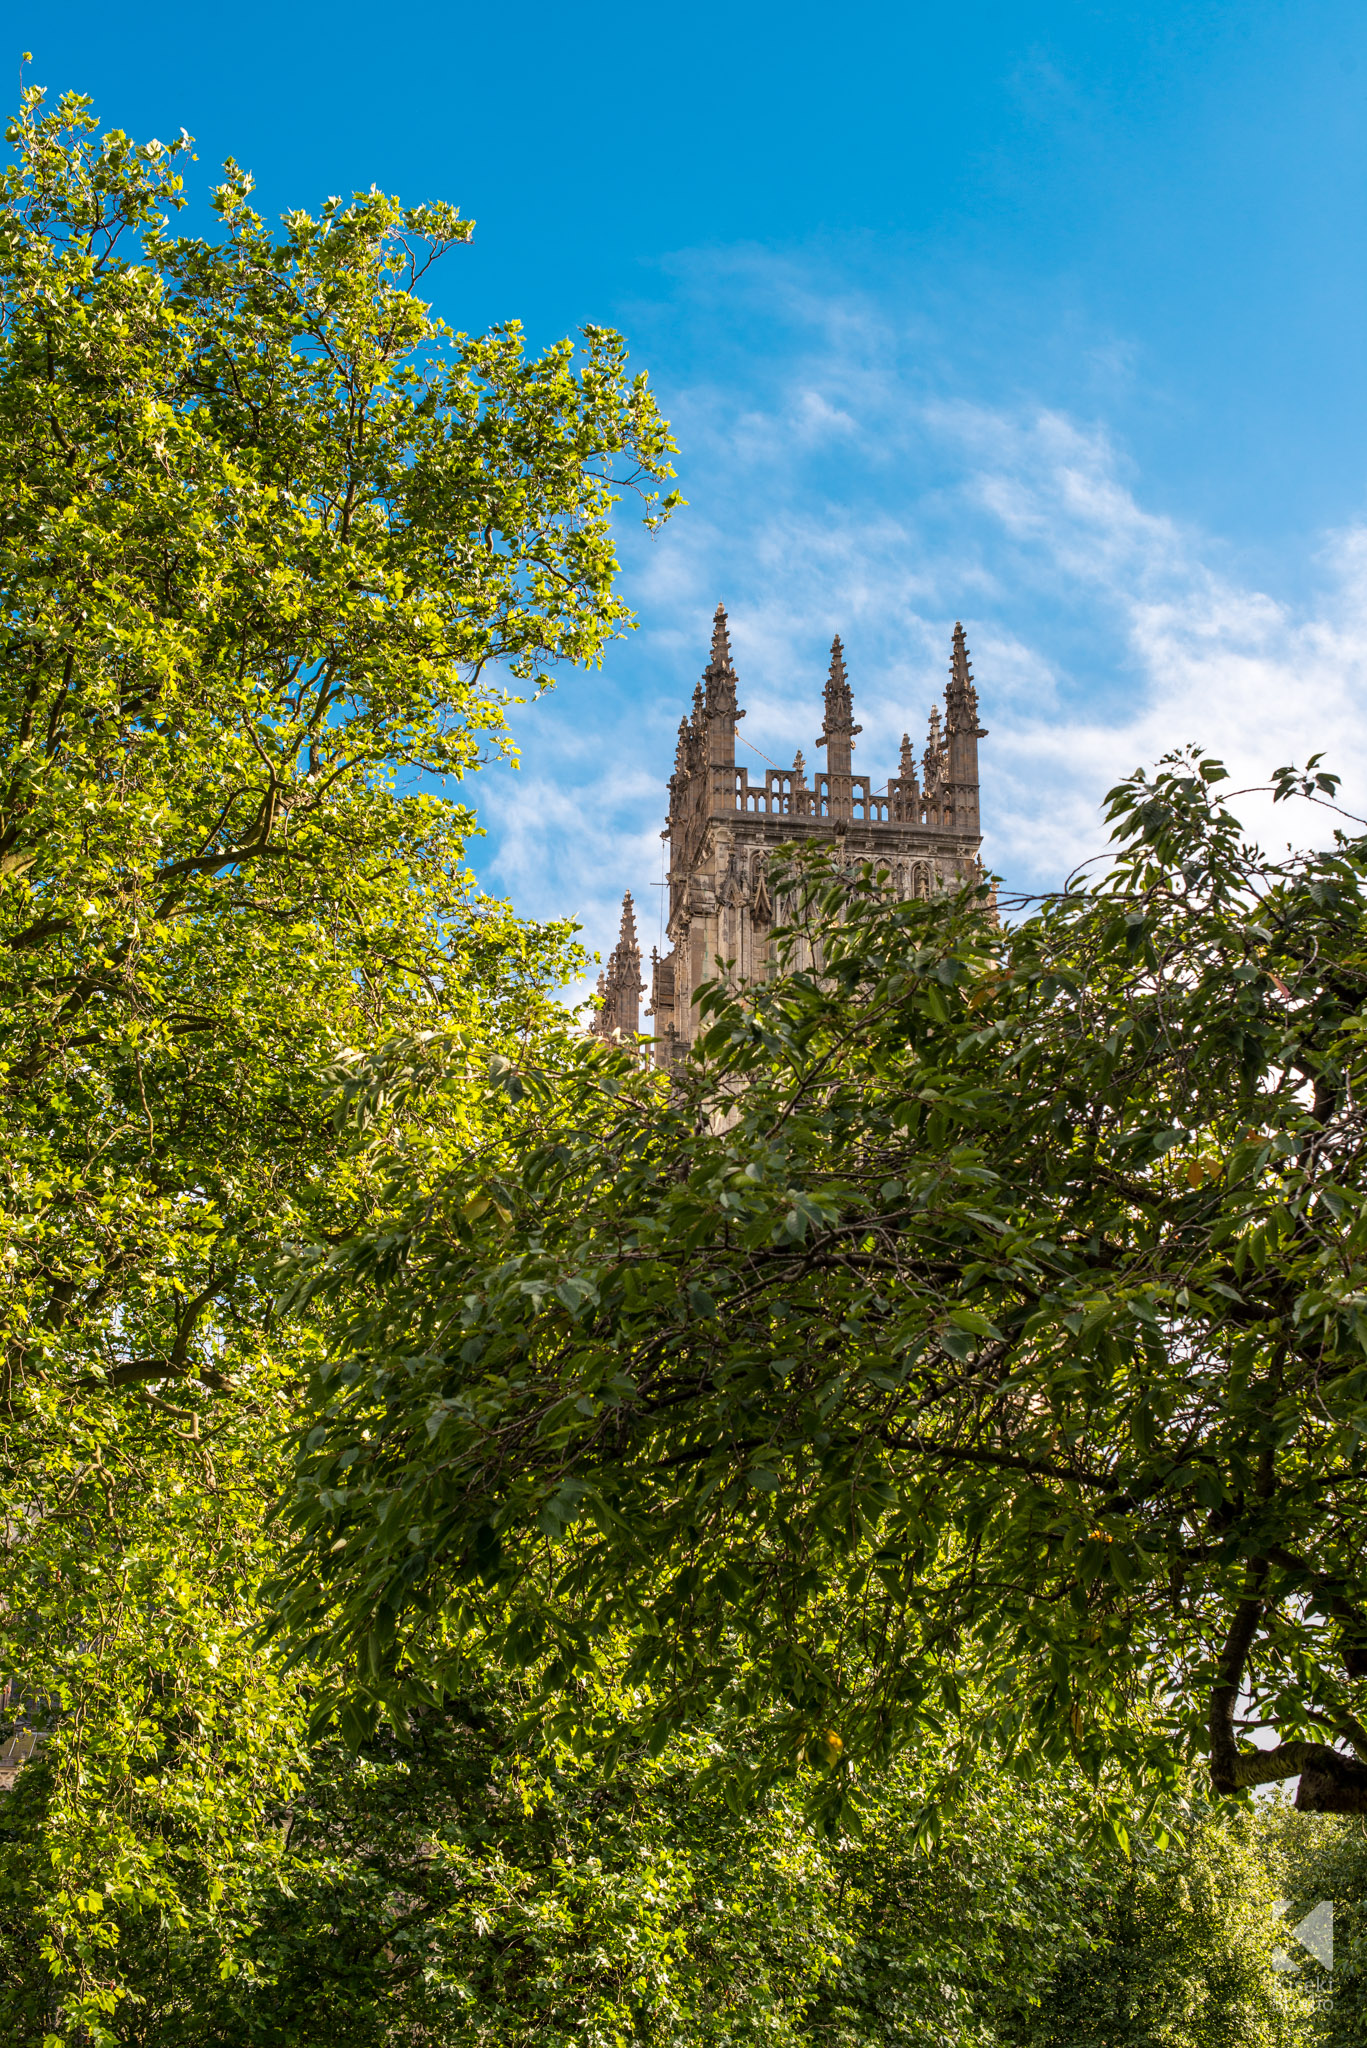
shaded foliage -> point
(984, 1305)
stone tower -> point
(722, 830)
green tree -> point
(269, 536)
(268, 528)
(1322, 1860)
(1182, 1949)
(984, 1304)
(475, 1884)
(465, 1886)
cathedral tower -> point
(722, 830)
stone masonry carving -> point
(722, 830)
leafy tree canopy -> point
(983, 1305)
(267, 524)
(269, 535)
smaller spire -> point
(906, 804)
(627, 938)
(620, 986)
(799, 771)
(933, 758)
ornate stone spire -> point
(905, 792)
(626, 941)
(961, 698)
(839, 702)
(799, 771)
(720, 673)
(962, 733)
(719, 698)
(837, 734)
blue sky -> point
(1048, 317)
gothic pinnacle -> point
(619, 986)
(720, 674)
(627, 937)
(839, 721)
(721, 641)
(933, 760)
(961, 698)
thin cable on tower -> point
(760, 751)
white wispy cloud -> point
(1256, 680)
(851, 489)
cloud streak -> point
(857, 489)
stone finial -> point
(837, 734)
(720, 667)
(799, 771)
(961, 698)
(838, 699)
(839, 702)
(719, 701)
(906, 791)
(626, 941)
